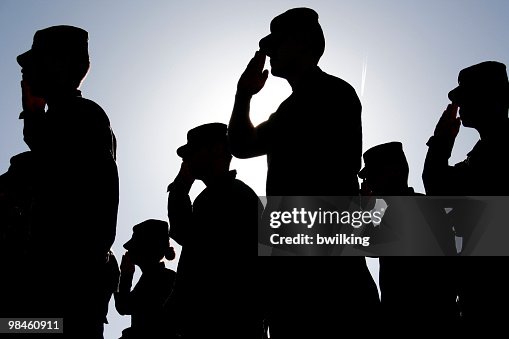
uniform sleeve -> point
(34, 129)
(438, 177)
(265, 133)
(179, 212)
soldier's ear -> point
(67, 73)
(217, 149)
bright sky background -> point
(160, 68)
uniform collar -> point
(223, 180)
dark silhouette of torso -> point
(314, 145)
(74, 211)
(146, 301)
(76, 179)
(216, 271)
(314, 140)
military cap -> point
(388, 154)
(148, 234)
(487, 80)
(67, 42)
(203, 135)
(294, 22)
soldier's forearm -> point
(437, 172)
(179, 214)
(241, 131)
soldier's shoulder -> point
(92, 110)
(169, 275)
(337, 82)
(244, 193)
(89, 105)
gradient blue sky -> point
(160, 68)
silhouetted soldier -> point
(483, 100)
(314, 140)
(147, 247)
(215, 290)
(75, 181)
(416, 291)
(313, 144)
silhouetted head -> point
(295, 42)
(482, 94)
(207, 151)
(150, 243)
(57, 61)
(385, 169)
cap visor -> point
(363, 172)
(182, 151)
(128, 245)
(25, 58)
(455, 94)
(266, 43)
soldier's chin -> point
(467, 123)
(277, 72)
(198, 175)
